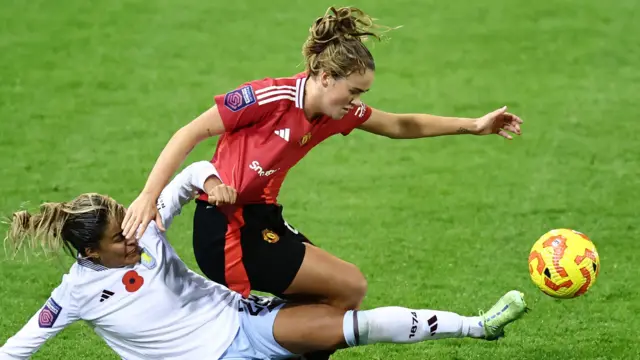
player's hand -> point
(499, 122)
(139, 214)
(219, 193)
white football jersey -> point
(157, 309)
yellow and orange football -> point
(564, 263)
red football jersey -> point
(267, 133)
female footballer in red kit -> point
(266, 126)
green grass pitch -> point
(91, 91)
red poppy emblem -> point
(132, 281)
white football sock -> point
(401, 325)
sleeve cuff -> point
(202, 171)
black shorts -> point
(247, 248)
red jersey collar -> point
(300, 83)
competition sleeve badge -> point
(240, 98)
(49, 314)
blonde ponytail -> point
(74, 226)
(38, 231)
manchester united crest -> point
(269, 236)
(305, 139)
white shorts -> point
(255, 338)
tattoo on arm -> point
(463, 131)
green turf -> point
(91, 91)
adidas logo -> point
(361, 110)
(433, 324)
(105, 295)
(284, 133)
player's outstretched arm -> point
(183, 188)
(412, 126)
(58, 312)
(199, 176)
(143, 208)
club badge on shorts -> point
(269, 236)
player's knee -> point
(354, 289)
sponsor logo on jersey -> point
(255, 166)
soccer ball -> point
(564, 263)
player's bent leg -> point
(334, 281)
(306, 328)
(310, 327)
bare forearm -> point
(425, 125)
(211, 182)
(174, 153)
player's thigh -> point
(255, 338)
(310, 327)
(270, 257)
(327, 276)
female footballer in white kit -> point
(141, 298)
